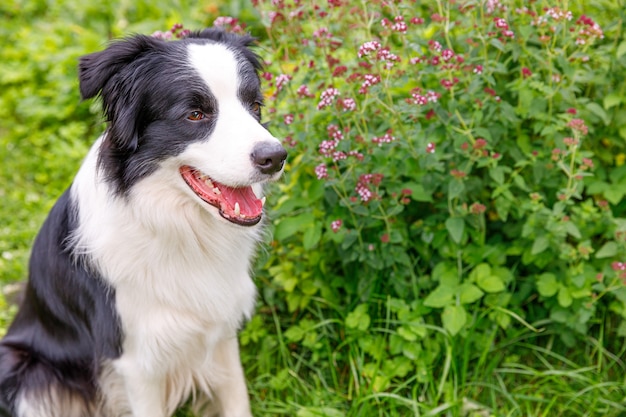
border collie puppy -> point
(139, 278)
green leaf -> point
(449, 278)
(407, 334)
(453, 318)
(418, 193)
(469, 293)
(503, 206)
(564, 298)
(440, 297)
(294, 333)
(597, 187)
(503, 319)
(289, 284)
(349, 239)
(483, 133)
(358, 318)
(596, 109)
(540, 244)
(612, 100)
(519, 181)
(615, 194)
(608, 250)
(572, 230)
(497, 44)
(312, 236)
(547, 284)
(491, 283)
(455, 188)
(621, 49)
(497, 174)
(455, 226)
(525, 100)
(480, 271)
(289, 226)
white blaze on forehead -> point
(225, 154)
(218, 67)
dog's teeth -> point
(263, 202)
(208, 182)
(217, 191)
(237, 209)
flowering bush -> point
(454, 172)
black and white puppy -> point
(139, 278)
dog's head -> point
(195, 101)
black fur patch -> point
(67, 322)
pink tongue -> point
(249, 205)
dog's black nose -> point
(269, 157)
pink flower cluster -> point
(557, 14)
(336, 225)
(434, 45)
(618, 266)
(327, 147)
(570, 142)
(587, 164)
(494, 5)
(504, 27)
(422, 99)
(386, 56)
(334, 132)
(448, 84)
(447, 54)
(477, 208)
(589, 31)
(363, 186)
(321, 172)
(230, 23)
(322, 33)
(368, 81)
(367, 47)
(327, 97)
(281, 81)
(386, 138)
(398, 25)
(382, 54)
(578, 125)
(303, 91)
(176, 31)
(348, 104)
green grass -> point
(525, 375)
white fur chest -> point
(181, 276)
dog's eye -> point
(256, 107)
(196, 115)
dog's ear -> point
(97, 69)
(111, 73)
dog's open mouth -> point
(238, 205)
